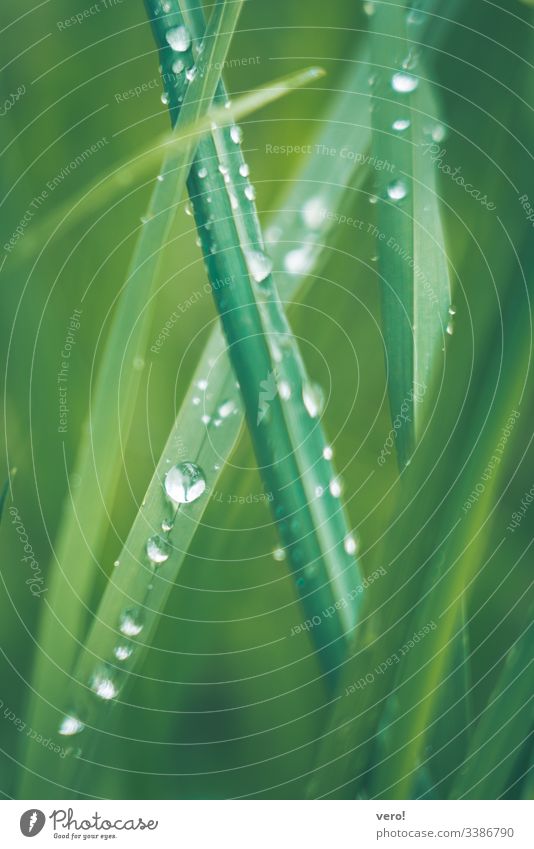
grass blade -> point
(413, 264)
(112, 408)
(503, 728)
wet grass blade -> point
(85, 520)
(416, 295)
(199, 436)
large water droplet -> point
(397, 190)
(258, 264)
(70, 725)
(103, 685)
(178, 39)
(313, 398)
(131, 623)
(404, 83)
(185, 483)
(158, 549)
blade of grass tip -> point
(282, 406)
(99, 194)
(412, 254)
(423, 673)
(98, 464)
(504, 726)
(197, 435)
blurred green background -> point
(228, 704)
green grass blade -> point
(412, 255)
(503, 727)
(128, 587)
(113, 403)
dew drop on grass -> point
(439, 133)
(313, 213)
(244, 170)
(227, 409)
(178, 39)
(131, 623)
(205, 419)
(313, 398)
(369, 8)
(450, 328)
(178, 66)
(202, 385)
(258, 264)
(70, 725)
(165, 98)
(188, 209)
(298, 261)
(157, 549)
(397, 190)
(335, 488)
(404, 83)
(284, 390)
(319, 491)
(328, 452)
(202, 173)
(191, 73)
(236, 134)
(452, 310)
(103, 685)
(350, 544)
(122, 652)
(184, 483)
(250, 192)
(401, 124)
(279, 555)
(167, 525)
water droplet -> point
(70, 725)
(123, 652)
(185, 483)
(401, 124)
(178, 39)
(244, 170)
(167, 525)
(279, 554)
(335, 487)
(205, 419)
(404, 83)
(350, 545)
(131, 623)
(165, 98)
(227, 409)
(116, 563)
(236, 134)
(203, 172)
(103, 685)
(439, 133)
(373, 199)
(450, 328)
(284, 390)
(298, 261)
(195, 401)
(452, 310)
(157, 549)
(319, 491)
(160, 178)
(313, 213)
(188, 209)
(258, 264)
(313, 398)
(328, 452)
(369, 8)
(191, 73)
(177, 66)
(203, 385)
(397, 190)
(250, 192)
